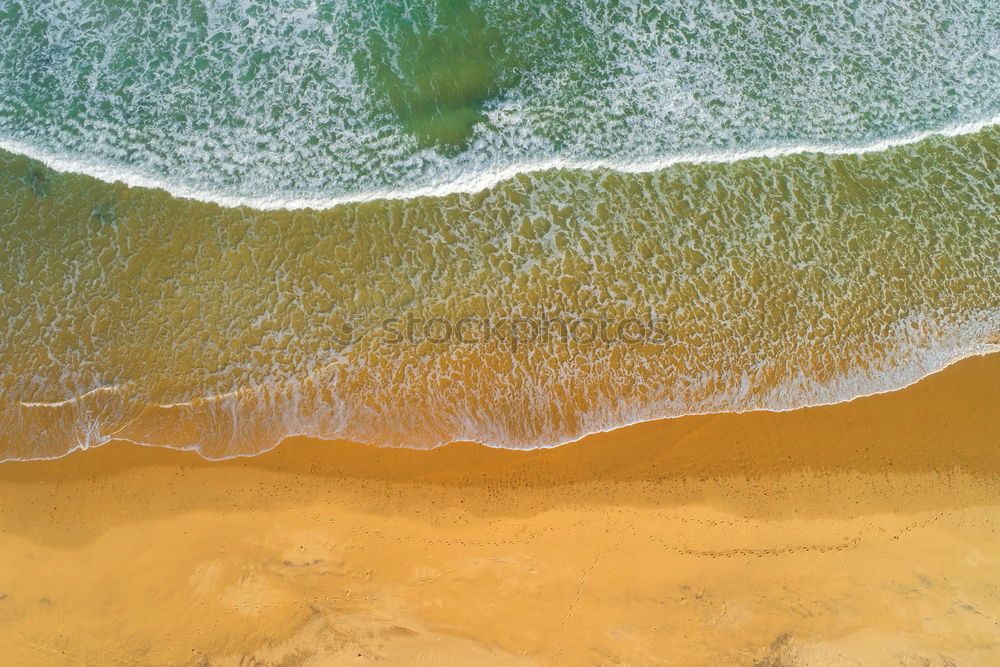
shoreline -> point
(716, 539)
(980, 369)
(987, 349)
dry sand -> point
(862, 533)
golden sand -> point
(861, 533)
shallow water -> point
(767, 283)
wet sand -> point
(864, 532)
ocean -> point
(409, 223)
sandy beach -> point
(860, 533)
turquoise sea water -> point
(767, 206)
(292, 100)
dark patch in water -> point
(37, 178)
(104, 214)
(439, 70)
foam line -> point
(469, 183)
(72, 399)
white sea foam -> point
(72, 399)
(477, 182)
